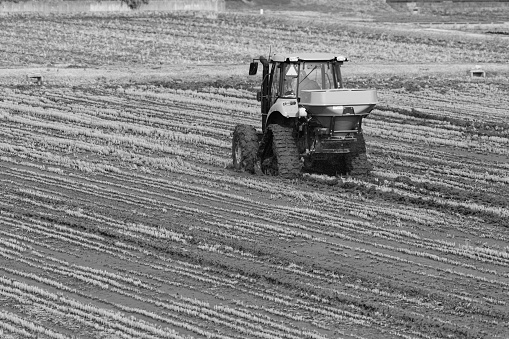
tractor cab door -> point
(282, 84)
(275, 76)
(272, 91)
(283, 81)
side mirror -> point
(259, 96)
(253, 68)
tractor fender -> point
(288, 108)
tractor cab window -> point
(316, 75)
(276, 75)
(291, 74)
(290, 79)
(284, 80)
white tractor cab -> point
(304, 104)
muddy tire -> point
(244, 148)
(280, 155)
(358, 164)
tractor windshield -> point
(310, 76)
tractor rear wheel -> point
(244, 148)
(357, 160)
(280, 155)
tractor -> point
(310, 121)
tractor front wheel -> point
(244, 148)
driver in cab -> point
(290, 81)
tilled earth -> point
(121, 217)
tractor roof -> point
(279, 57)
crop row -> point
(173, 38)
(177, 244)
(145, 202)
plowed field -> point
(122, 218)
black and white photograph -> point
(254, 169)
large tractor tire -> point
(245, 148)
(280, 155)
(358, 164)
